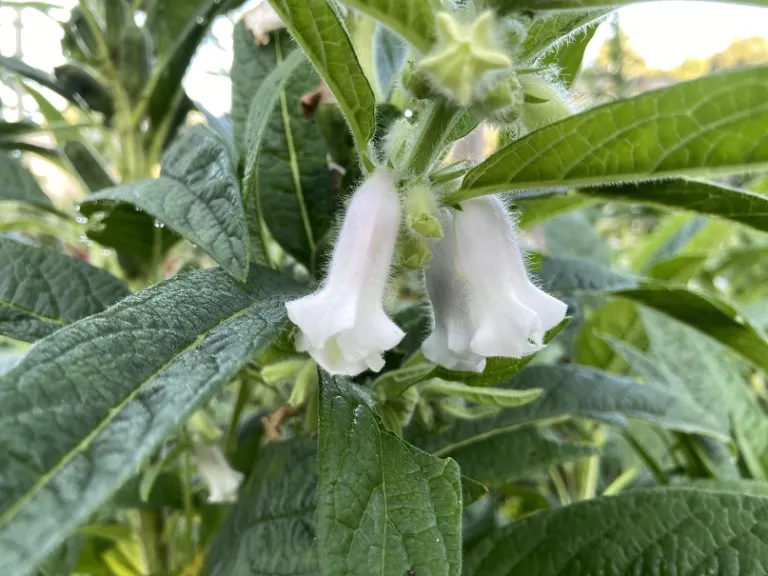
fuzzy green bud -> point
(502, 102)
(414, 253)
(463, 54)
(418, 83)
(280, 371)
(543, 103)
(305, 385)
(421, 211)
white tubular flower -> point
(449, 343)
(510, 313)
(222, 481)
(343, 324)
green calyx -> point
(414, 253)
(463, 54)
(421, 212)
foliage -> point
(146, 322)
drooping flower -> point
(449, 343)
(510, 314)
(222, 481)
(343, 324)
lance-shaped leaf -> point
(705, 198)
(482, 395)
(294, 182)
(648, 532)
(42, 290)
(18, 185)
(414, 20)
(271, 529)
(75, 427)
(551, 32)
(316, 27)
(384, 506)
(576, 391)
(197, 195)
(713, 124)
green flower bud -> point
(414, 253)
(282, 370)
(463, 55)
(502, 102)
(543, 103)
(421, 211)
(418, 83)
(306, 384)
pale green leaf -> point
(552, 33)
(508, 456)
(42, 290)
(705, 198)
(260, 113)
(618, 318)
(384, 506)
(574, 392)
(317, 28)
(655, 532)
(271, 529)
(481, 395)
(712, 124)
(414, 20)
(197, 195)
(75, 427)
(18, 185)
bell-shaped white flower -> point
(449, 343)
(510, 314)
(343, 324)
(222, 481)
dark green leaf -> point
(259, 116)
(41, 290)
(693, 195)
(414, 20)
(384, 507)
(75, 427)
(316, 27)
(167, 21)
(712, 124)
(575, 391)
(197, 195)
(89, 165)
(42, 78)
(646, 532)
(502, 458)
(271, 529)
(618, 318)
(17, 184)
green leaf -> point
(527, 451)
(704, 312)
(294, 183)
(649, 532)
(489, 396)
(197, 195)
(42, 78)
(679, 269)
(618, 318)
(384, 506)
(18, 185)
(389, 55)
(539, 210)
(568, 57)
(712, 124)
(271, 529)
(41, 290)
(75, 427)
(261, 109)
(580, 392)
(497, 369)
(414, 20)
(574, 235)
(316, 27)
(693, 195)
(553, 33)
(166, 21)
(686, 361)
(89, 165)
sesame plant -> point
(318, 336)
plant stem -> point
(560, 487)
(243, 395)
(621, 482)
(436, 126)
(589, 469)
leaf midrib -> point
(81, 445)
